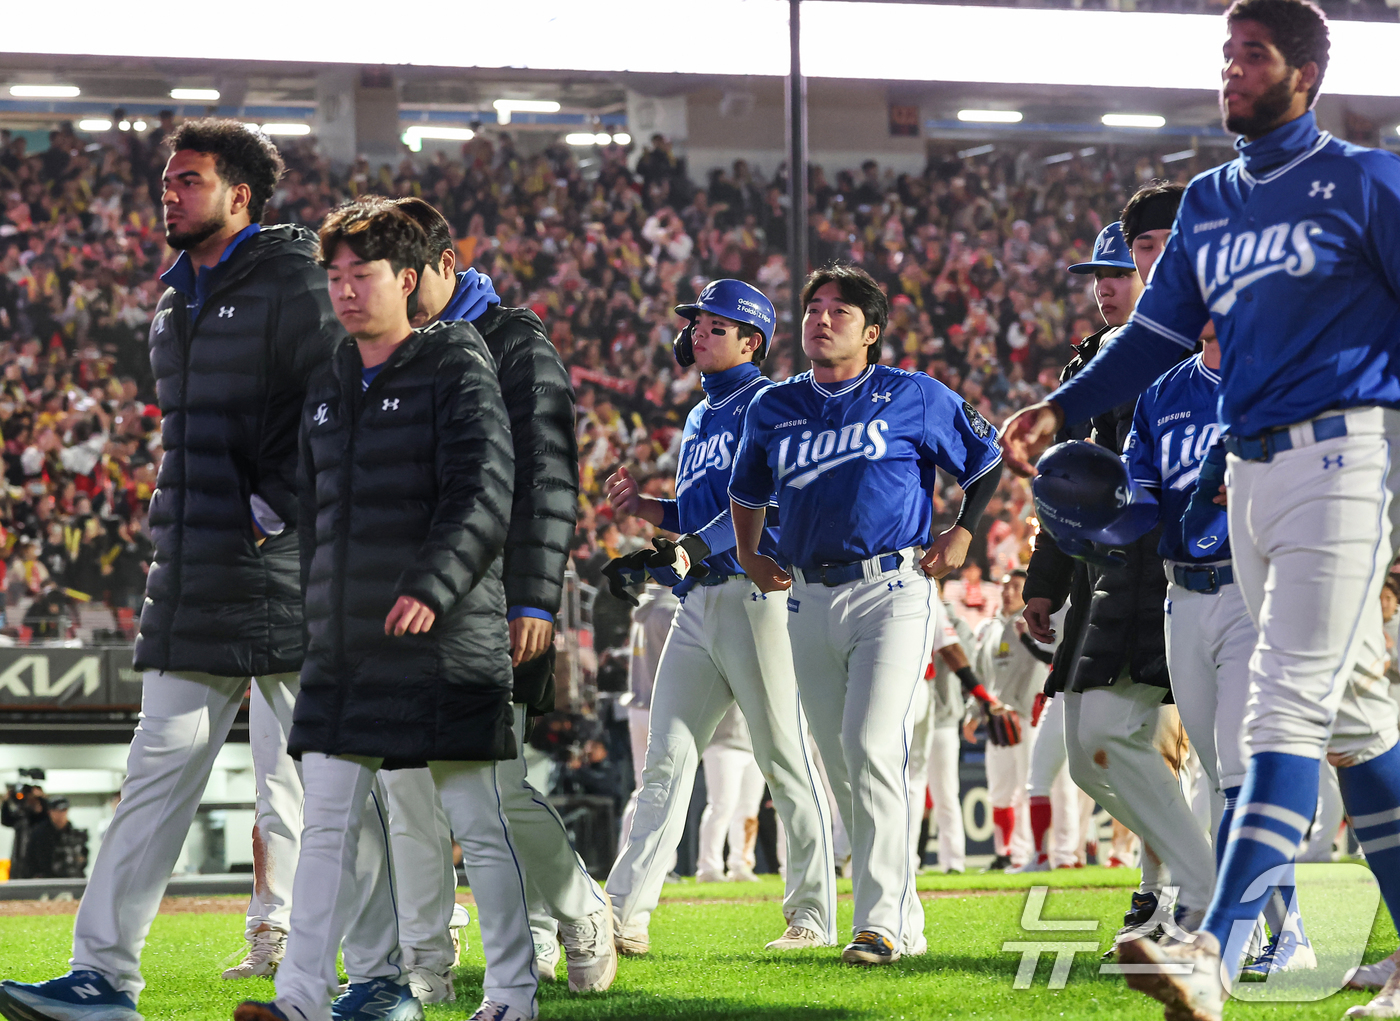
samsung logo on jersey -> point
(1226, 267)
(1206, 225)
(1173, 417)
(830, 448)
(790, 424)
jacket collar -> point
(196, 285)
(1281, 149)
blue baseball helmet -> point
(1082, 492)
(734, 300)
(1110, 251)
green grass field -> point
(707, 961)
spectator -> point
(973, 599)
(56, 848)
(22, 809)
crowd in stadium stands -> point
(973, 253)
(1336, 10)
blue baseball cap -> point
(1110, 251)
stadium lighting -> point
(1059, 157)
(196, 95)
(123, 125)
(1184, 154)
(1132, 120)
(95, 124)
(139, 125)
(413, 136)
(286, 129)
(506, 107)
(582, 138)
(976, 150)
(45, 91)
(990, 116)
(622, 138)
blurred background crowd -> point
(601, 244)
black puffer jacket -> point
(230, 386)
(406, 490)
(540, 401)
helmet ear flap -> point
(682, 349)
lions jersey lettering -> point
(852, 466)
(1290, 249)
(1173, 428)
(700, 453)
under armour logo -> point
(881, 397)
(1318, 189)
(225, 311)
(892, 585)
(756, 596)
(1331, 462)
(87, 990)
(322, 414)
(390, 405)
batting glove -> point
(626, 573)
(670, 563)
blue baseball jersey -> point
(1293, 249)
(853, 466)
(709, 443)
(1173, 427)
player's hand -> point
(766, 574)
(529, 637)
(947, 553)
(409, 616)
(1027, 433)
(996, 707)
(1037, 618)
(1221, 499)
(623, 492)
(670, 563)
(625, 573)
(970, 731)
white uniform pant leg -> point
(1311, 537)
(1329, 816)
(943, 780)
(277, 781)
(557, 882)
(689, 699)
(724, 776)
(750, 638)
(471, 797)
(1191, 663)
(372, 945)
(638, 724)
(1118, 723)
(1066, 843)
(1049, 777)
(1022, 846)
(743, 824)
(1049, 753)
(425, 881)
(185, 719)
(920, 746)
(1002, 787)
(325, 896)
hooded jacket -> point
(230, 380)
(406, 491)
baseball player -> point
(1115, 677)
(934, 743)
(726, 643)
(733, 790)
(651, 623)
(1288, 251)
(1015, 668)
(849, 451)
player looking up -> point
(727, 644)
(849, 452)
(1289, 251)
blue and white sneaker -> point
(869, 948)
(1285, 952)
(379, 1000)
(77, 996)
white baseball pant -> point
(1008, 772)
(1310, 535)
(860, 650)
(1108, 734)
(1049, 778)
(933, 768)
(651, 623)
(727, 644)
(185, 720)
(733, 790)
(277, 823)
(638, 726)
(345, 879)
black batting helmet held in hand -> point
(1080, 491)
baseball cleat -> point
(457, 930)
(77, 996)
(547, 956)
(797, 938)
(631, 939)
(1040, 863)
(1185, 977)
(742, 874)
(709, 876)
(869, 948)
(377, 1000)
(490, 1010)
(590, 950)
(253, 1010)
(1140, 920)
(1386, 1003)
(1286, 952)
(265, 950)
(1373, 976)
(430, 986)
(1000, 863)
